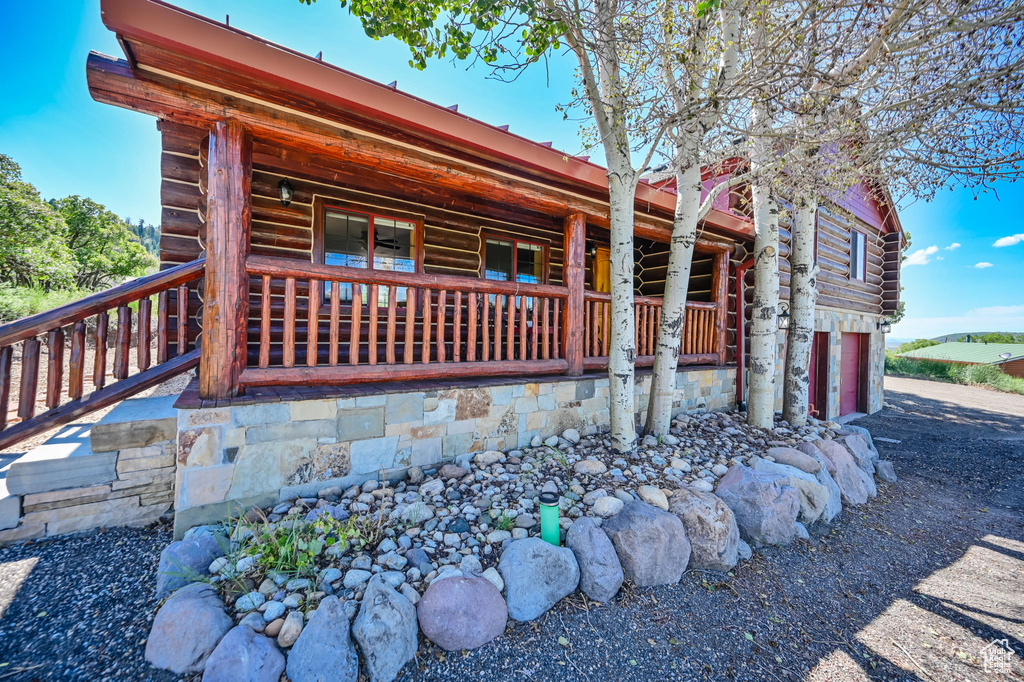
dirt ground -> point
(915, 585)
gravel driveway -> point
(911, 586)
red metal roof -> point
(161, 24)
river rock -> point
(652, 544)
(710, 527)
(324, 651)
(488, 458)
(386, 630)
(653, 495)
(607, 506)
(814, 497)
(449, 471)
(536, 575)
(794, 458)
(848, 476)
(601, 573)
(462, 613)
(244, 655)
(184, 561)
(765, 509)
(590, 467)
(186, 629)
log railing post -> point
(574, 280)
(228, 224)
(720, 287)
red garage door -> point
(850, 373)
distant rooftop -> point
(975, 353)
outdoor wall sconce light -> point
(884, 325)
(784, 316)
(592, 251)
(285, 191)
(549, 530)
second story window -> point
(858, 255)
(511, 260)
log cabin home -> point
(365, 281)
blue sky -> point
(68, 144)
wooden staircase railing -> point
(130, 307)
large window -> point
(512, 260)
(858, 255)
(364, 240)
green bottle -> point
(549, 530)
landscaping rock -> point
(536, 575)
(492, 575)
(184, 560)
(386, 630)
(449, 471)
(607, 506)
(244, 655)
(814, 497)
(884, 471)
(186, 629)
(324, 651)
(489, 457)
(862, 454)
(765, 509)
(462, 613)
(794, 458)
(590, 467)
(744, 552)
(710, 527)
(866, 435)
(848, 476)
(291, 630)
(653, 495)
(571, 435)
(601, 573)
(249, 602)
(652, 544)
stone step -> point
(136, 423)
(67, 460)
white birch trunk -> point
(803, 296)
(673, 309)
(622, 346)
(764, 310)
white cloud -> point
(920, 257)
(999, 311)
(1009, 241)
(982, 265)
(953, 247)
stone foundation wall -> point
(119, 472)
(233, 457)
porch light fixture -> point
(285, 191)
(784, 316)
(884, 325)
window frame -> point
(545, 250)
(856, 253)
(322, 206)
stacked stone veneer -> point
(836, 323)
(117, 472)
(232, 457)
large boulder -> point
(244, 655)
(710, 527)
(537, 575)
(186, 629)
(765, 508)
(386, 630)
(652, 544)
(600, 571)
(835, 496)
(794, 458)
(185, 561)
(866, 435)
(862, 455)
(324, 651)
(856, 485)
(462, 613)
(814, 497)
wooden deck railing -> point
(703, 330)
(322, 324)
(88, 322)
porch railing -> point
(50, 381)
(322, 324)
(703, 331)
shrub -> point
(916, 345)
(990, 376)
(19, 302)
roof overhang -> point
(158, 24)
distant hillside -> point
(962, 336)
